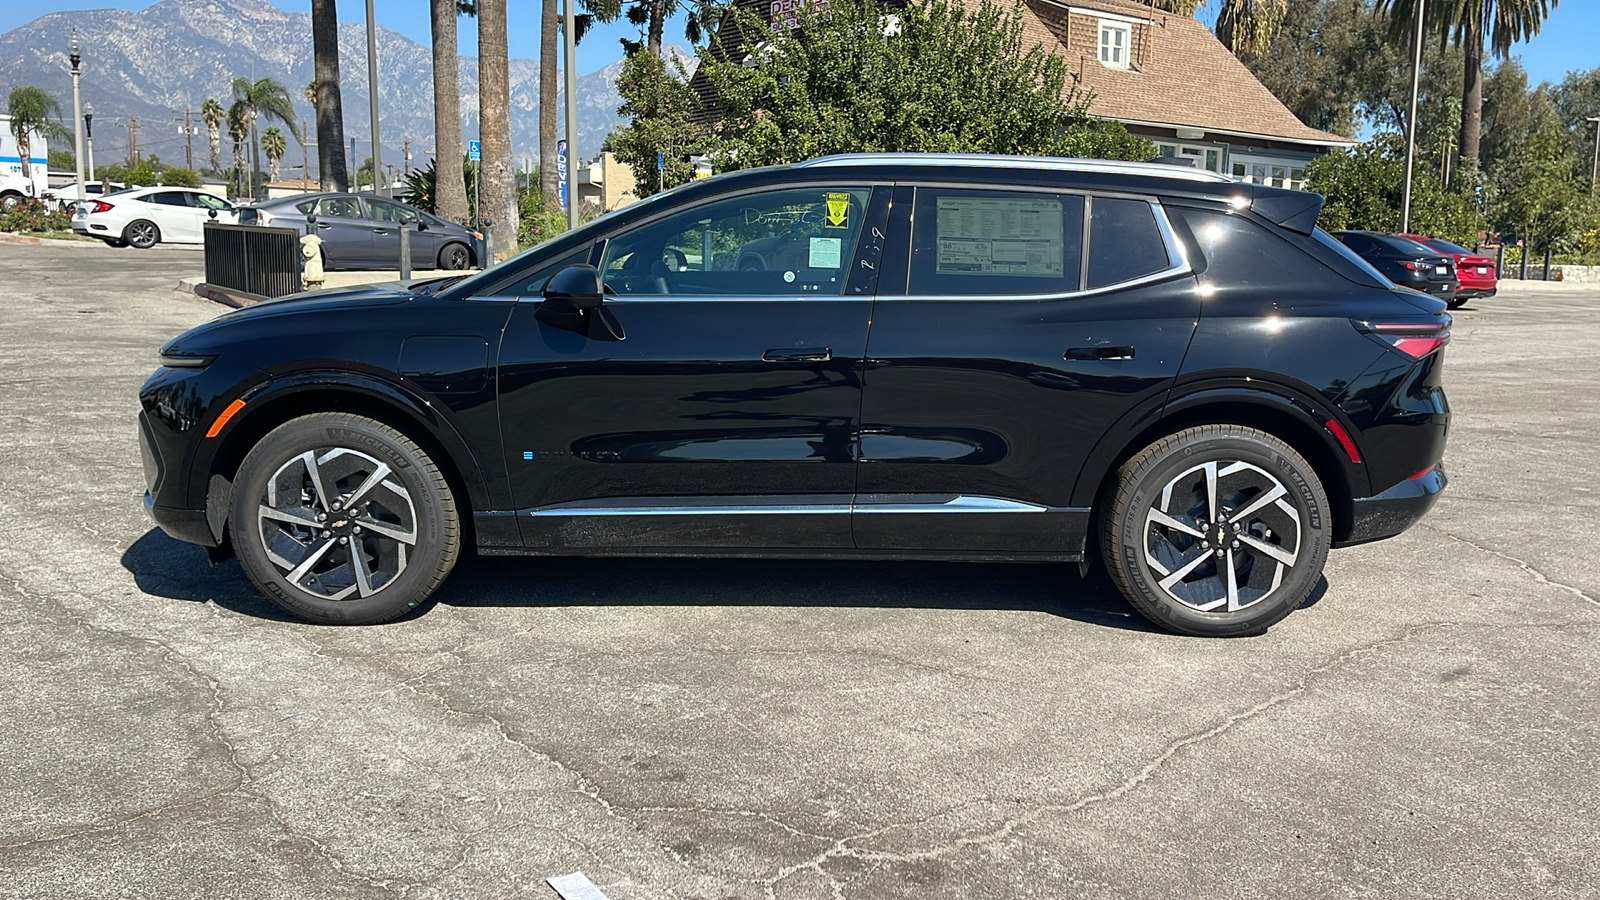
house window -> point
(1279, 173)
(1114, 42)
(1208, 157)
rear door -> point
(1031, 321)
(387, 218)
(175, 214)
(345, 232)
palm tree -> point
(547, 102)
(239, 133)
(330, 109)
(273, 144)
(264, 97)
(212, 113)
(653, 16)
(450, 200)
(1468, 23)
(494, 124)
(33, 112)
(1245, 26)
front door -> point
(345, 232)
(1016, 345)
(176, 215)
(726, 416)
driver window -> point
(384, 211)
(795, 242)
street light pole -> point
(75, 58)
(372, 92)
(1411, 126)
(570, 39)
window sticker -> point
(995, 236)
(838, 210)
(824, 253)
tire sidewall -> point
(448, 252)
(405, 592)
(1195, 448)
(127, 229)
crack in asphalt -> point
(842, 847)
(1522, 564)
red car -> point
(1476, 271)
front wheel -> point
(341, 519)
(1219, 530)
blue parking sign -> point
(474, 151)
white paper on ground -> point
(575, 886)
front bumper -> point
(1396, 509)
(188, 525)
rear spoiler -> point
(1294, 210)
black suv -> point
(866, 357)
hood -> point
(205, 339)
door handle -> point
(1091, 353)
(324, 225)
(380, 231)
(802, 354)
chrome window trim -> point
(1175, 250)
(996, 161)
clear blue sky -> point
(1570, 39)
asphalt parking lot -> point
(1428, 727)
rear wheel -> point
(1219, 530)
(340, 519)
(142, 233)
(10, 200)
(454, 256)
(1457, 302)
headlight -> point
(185, 362)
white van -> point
(18, 181)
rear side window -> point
(1124, 242)
(995, 243)
(1241, 253)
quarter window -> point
(1124, 242)
(995, 243)
(169, 198)
(1114, 40)
(795, 242)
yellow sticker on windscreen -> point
(838, 211)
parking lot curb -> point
(226, 296)
(8, 238)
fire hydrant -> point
(311, 252)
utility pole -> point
(372, 92)
(188, 139)
(133, 140)
(570, 39)
(1411, 126)
(305, 159)
(77, 114)
(405, 157)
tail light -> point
(1415, 265)
(1414, 339)
(100, 206)
(263, 217)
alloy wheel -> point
(141, 234)
(337, 524)
(1222, 536)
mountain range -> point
(167, 58)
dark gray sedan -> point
(361, 231)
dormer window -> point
(1114, 41)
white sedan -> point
(66, 196)
(146, 216)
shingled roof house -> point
(1165, 77)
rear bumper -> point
(1396, 509)
(1469, 292)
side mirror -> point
(575, 289)
(572, 301)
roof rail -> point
(991, 160)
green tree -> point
(273, 145)
(34, 112)
(268, 98)
(212, 113)
(1244, 26)
(663, 114)
(1539, 194)
(652, 15)
(946, 79)
(239, 133)
(1321, 60)
(1469, 23)
(1364, 189)
(1577, 98)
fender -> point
(1184, 400)
(370, 388)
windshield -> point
(1447, 247)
